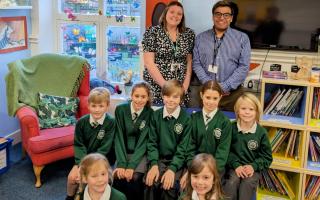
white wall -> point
(198, 14)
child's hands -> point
(153, 175)
(241, 172)
(167, 179)
(248, 170)
(74, 175)
(183, 180)
(129, 174)
(119, 173)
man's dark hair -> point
(222, 4)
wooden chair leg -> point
(37, 172)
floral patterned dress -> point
(166, 52)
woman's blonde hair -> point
(147, 87)
(86, 165)
(99, 95)
(252, 99)
(163, 20)
(198, 163)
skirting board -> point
(16, 136)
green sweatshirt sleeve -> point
(191, 150)
(264, 159)
(223, 147)
(80, 150)
(106, 143)
(152, 144)
(180, 155)
(140, 149)
(120, 148)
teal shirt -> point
(168, 139)
(216, 140)
(250, 149)
(131, 138)
(90, 140)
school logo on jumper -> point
(100, 135)
(217, 133)
(252, 145)
(178, 128)
(142, 125)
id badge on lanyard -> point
(213, 68)
(175, 66)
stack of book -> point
(314, 148)
(286, 142)
(312, 189)
(276, 181)
(316, 104)
(284, 102)
(275, 74)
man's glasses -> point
(225, 15)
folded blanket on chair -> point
(53, 74)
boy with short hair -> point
(170, 128)
(94, 132)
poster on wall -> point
(154, 11)
(13, 34)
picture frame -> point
(13, 34)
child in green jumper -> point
(95, 172)
(93, 133)
(132, 122)
(211, 129)
(169, 133)
(250, 150)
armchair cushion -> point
(51, 139)
(56, 111)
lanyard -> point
(217, 44)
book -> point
(296, 147)
(274, 100)
(281, 103)
(275, 74)
(285, 184)
(289, 143)
(293, 142)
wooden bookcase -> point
(298, 170)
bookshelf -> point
(295, 114)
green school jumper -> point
(115, 195)
(216, 140)
(168, 139)
(251, 148)
(131, 138)
(93, 140)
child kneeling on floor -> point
(95, 172)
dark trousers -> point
(156, 192)
(236, 188)
(227, 102)
(133, 189)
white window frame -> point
(101, 22)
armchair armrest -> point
(29, 124)
(83, 106)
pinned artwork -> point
(13, 34)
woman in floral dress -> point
(168, 51)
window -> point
(106, 32)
